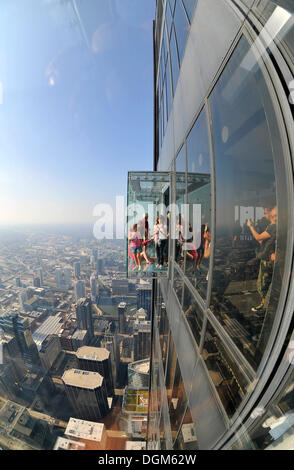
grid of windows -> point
(178, 17)
(230, 161)
(232, 165)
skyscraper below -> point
(97, 360)
(87, 393)
(85, 316)
(79, 288)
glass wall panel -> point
(169, 18)
(249, 253)
(163, 332)
(193, 313)
(187, 437)
(177, 403)
(190, 8)
(178, 285)
(197, 246)
(275, 428)
(278, 16)
(174, 59)
(168, 89)
(147, 223)
(182, 27)
(171, 367)
(180, 201)
(225, 372)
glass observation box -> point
(148, 224)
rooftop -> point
(81, 429)
(92, 354)
(52, 325)
(82, 379)
(66, 444)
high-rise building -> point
(17, 282)
(100, 266)
(79, 289)
(120, 287)
(109, 342)
(58, 277)
(18, 327)
(63, 277)
(84, 316)
(36, 282)
(40, 274)
(22, 297)
(87, 393)
(49, 351)
(77, 268)
(221, 347)
(121, 309)
(97, 360)
(144, 296)
(142, 343)
(94, 288)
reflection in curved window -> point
(182, 28)
(274, 429)
(278, 17)
(225, 372)
(247, 256)
(180, 204)
(193, 314)
(178, 286)
(187, 437)
(197, 247)
(163, 332)
(177, 402)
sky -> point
(76, 105)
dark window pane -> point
(182, 28)
(224, 371)
(247, 143)
(197, 248)
(193, 313)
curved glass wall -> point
(235, 164)
(275, 428)
(251, 211)
(197, 248)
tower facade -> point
(97, 360)
(87, 393)
(223, 111)
(84, 316)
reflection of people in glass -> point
(179, 237)
(136, 245)
(190, 249)
(267, 241)
(207, 238)
(160, 234)
(201, 248)
(145, 233)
